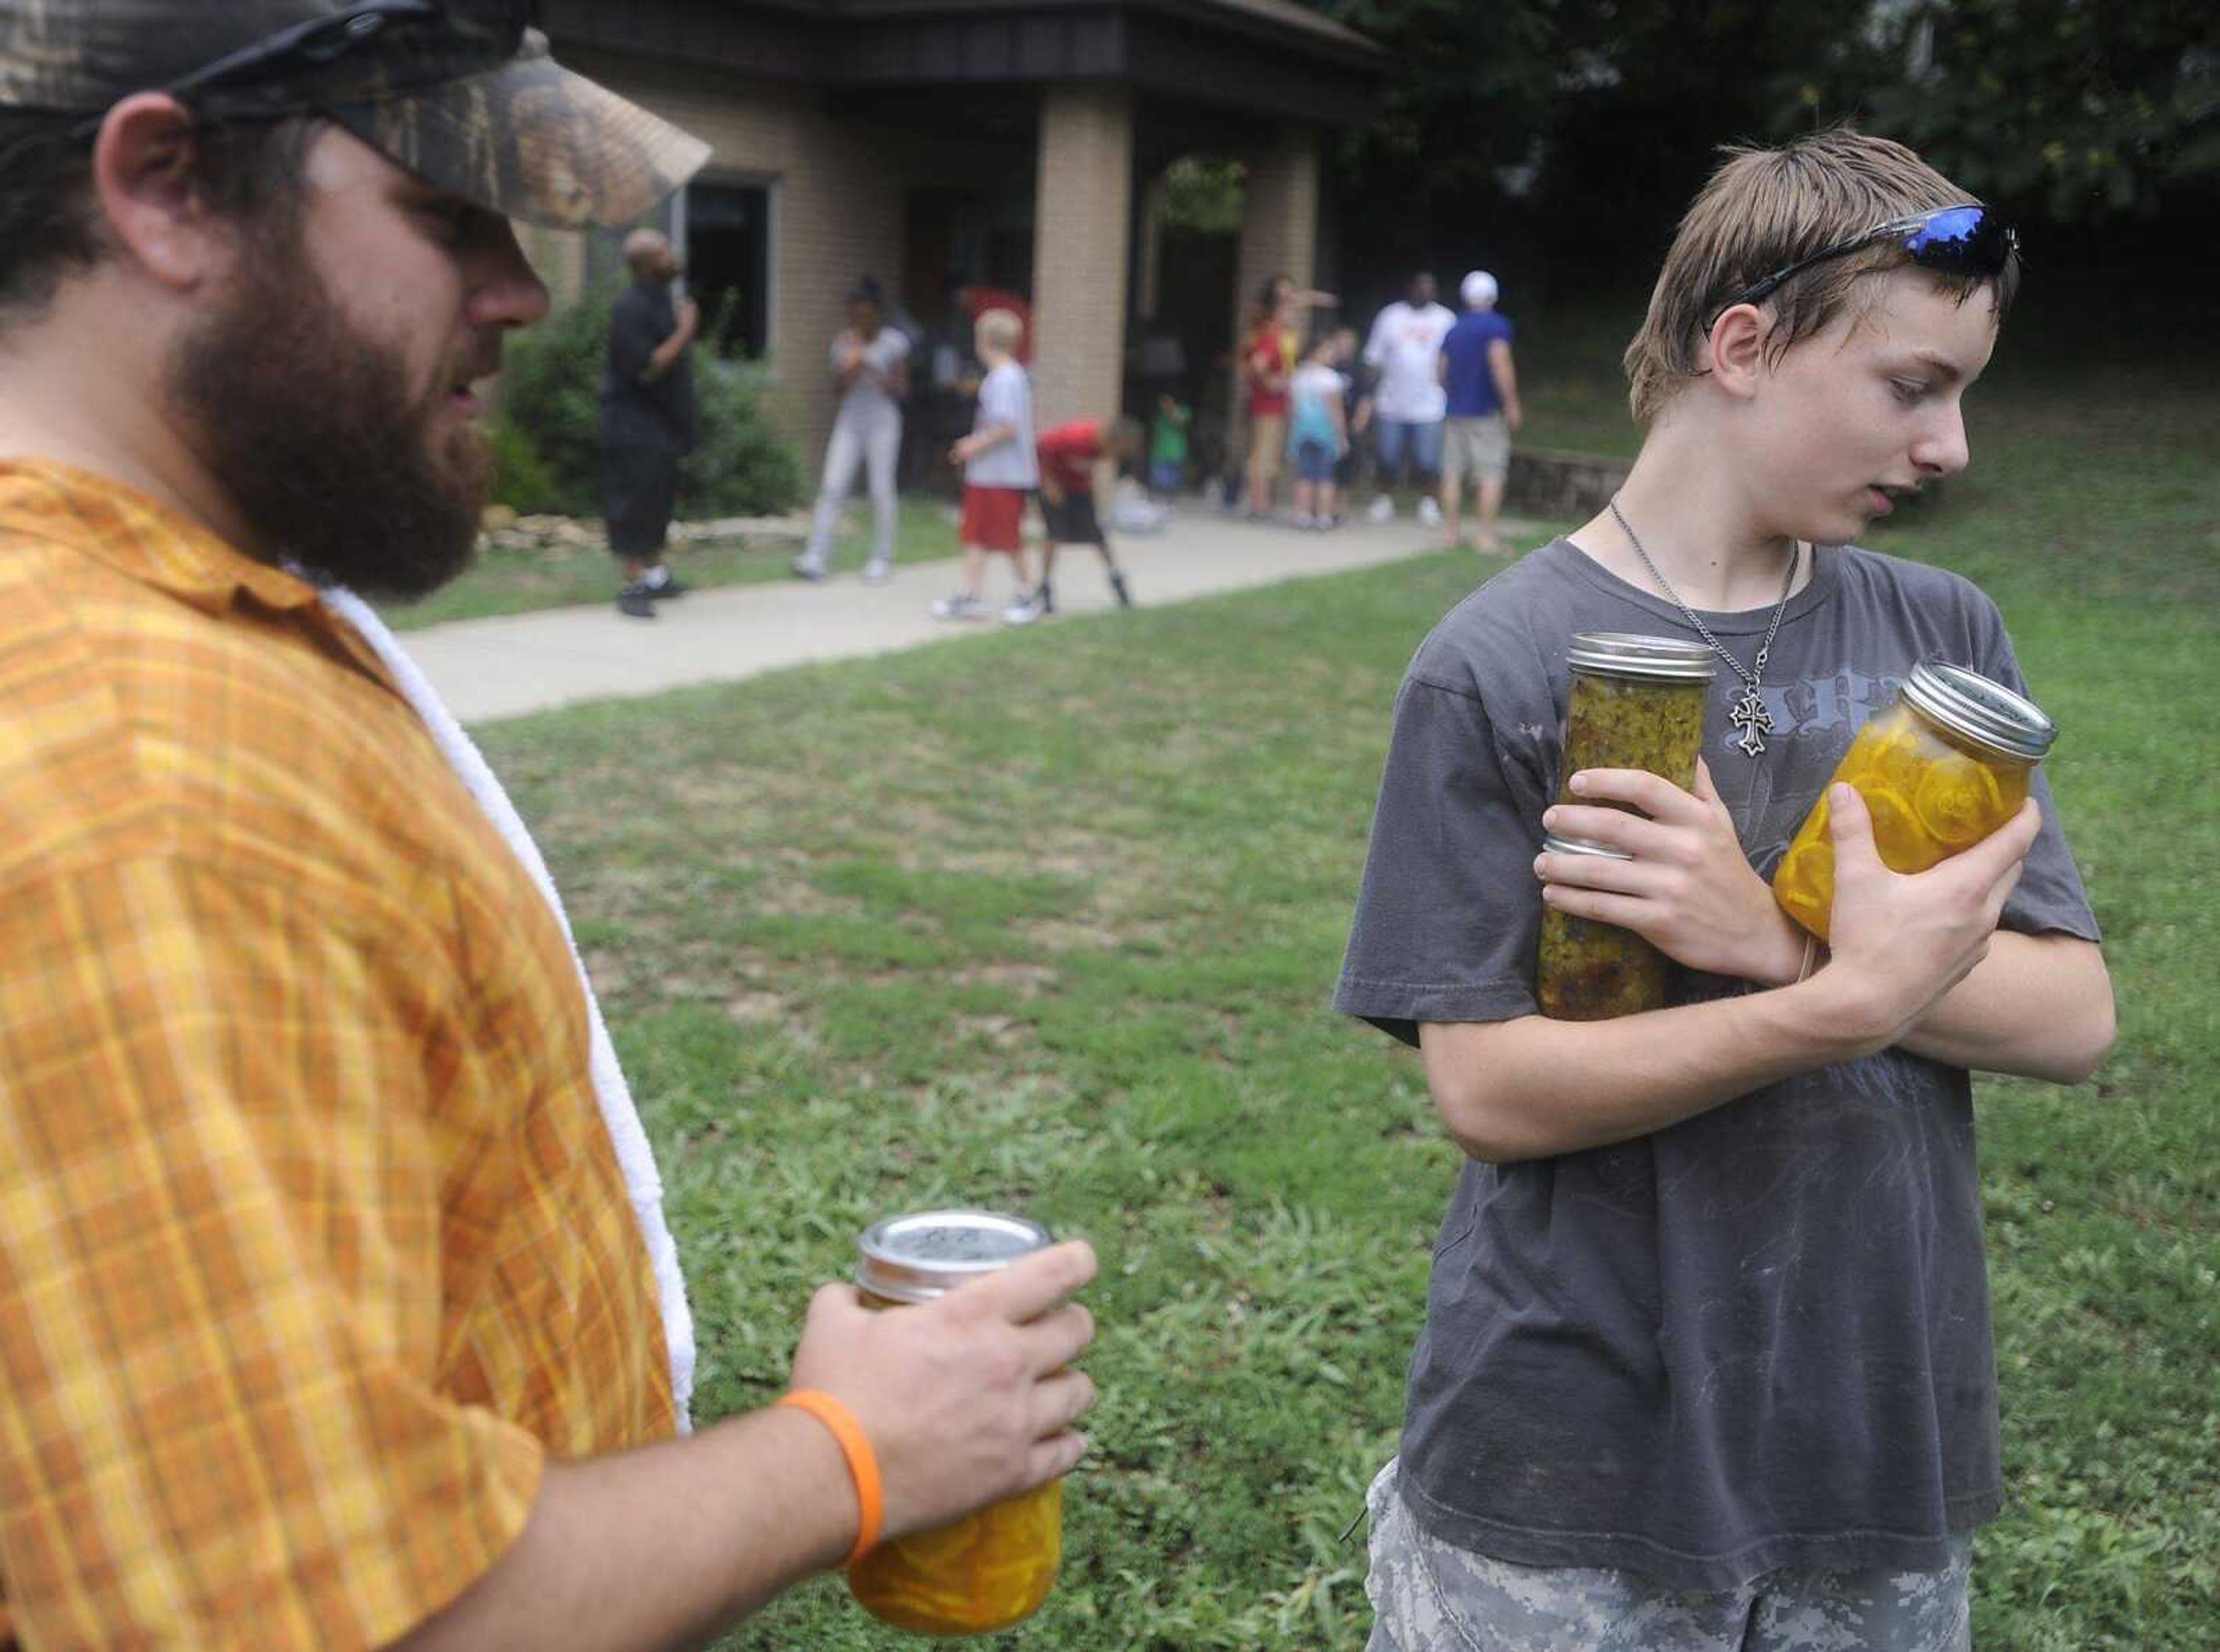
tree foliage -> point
(1576, 129)
(2085, 108)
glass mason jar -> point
(991, 1568)
(1944, 766)
(1636, 702)
(1590, 971)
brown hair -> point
(50, 228)
(1766, 208)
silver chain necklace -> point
(1749, 714)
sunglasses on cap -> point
(376, 48)
(1963, 240)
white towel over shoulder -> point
(642, 1181)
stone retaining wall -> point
(1554, 484)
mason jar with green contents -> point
(1636, 702)
(1591, 971)
(991, 1568)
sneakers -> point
(1023, 612)
(635, 600)
(1118, 584)
(878, 572)
(959, 605)
(1381, 510)
(1430, 511)
(804, 568)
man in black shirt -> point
(647, 420)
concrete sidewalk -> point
(488, 669)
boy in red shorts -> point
(1067, 456)
(999, 471)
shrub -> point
(521, 479)
(742, 466)
(548, 436)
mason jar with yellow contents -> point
(1939, 770)
(992, 1568)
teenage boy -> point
(999, 470)
(336, 1305)
(1069, 454)
(1707, 1336)
(1404, 350)
(1481, 382)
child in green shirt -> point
(1168, 446)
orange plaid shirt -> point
(313, 1245)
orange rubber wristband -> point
(863, 1464)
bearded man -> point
(337, 1308)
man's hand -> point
(1900, 943)
(1513, 417)
(1689, 891)
(1050, 492)
(967, 1400)
(964, 447)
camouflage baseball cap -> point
(461, 92)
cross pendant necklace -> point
(1749, 713)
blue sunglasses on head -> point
(1964, 240)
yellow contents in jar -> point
(1928, 798)
(986, 1572)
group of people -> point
(648, 425)
(1005, 461)
(1439, 396)
(336, 1298)
(1437, 391)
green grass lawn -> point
(518, 582)
(1047, 921)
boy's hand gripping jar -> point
(1939, 770)
(1635, 702)
(991, 1568)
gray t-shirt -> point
(1005, 398)
(868, 404)
(1759, 1338)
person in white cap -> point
(337, 1305)
(1483, 411)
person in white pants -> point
(871, 361)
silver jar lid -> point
(1623, 653)
(1987, 713)
(917, 1258)
(1551, 846)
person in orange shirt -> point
(336, 1303)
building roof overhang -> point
(1271, 57)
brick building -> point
(1022, 142)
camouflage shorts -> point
(1427, 1594)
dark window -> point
(728, 228)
